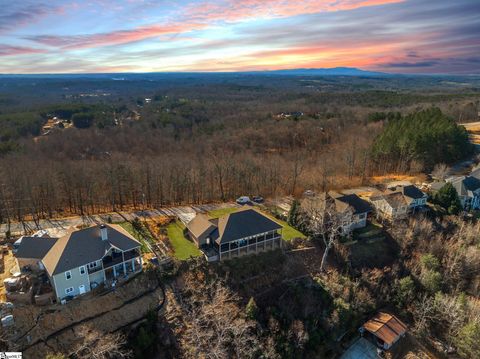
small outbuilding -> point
(384, 330)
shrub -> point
(251, 309)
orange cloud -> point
(114, 37)
(199, 17)
(240, 10)
(312, 56)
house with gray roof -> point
(244, 232)
(352, 210)
(29, 251)
(468, 189)
(83, 259)
(415, 198)
(391, 205)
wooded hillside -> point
(427, 136)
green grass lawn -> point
(129, 228)
(222, 212)
(183, 248)
(288, 232)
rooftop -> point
(233, 226)
(386, 327)
(84, 246)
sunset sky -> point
(398, 36)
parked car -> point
(258, 199)
(243, 200)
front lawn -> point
(182, 247)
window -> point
(69, 290)
(68, 274)
(82, 270)
(92, 265)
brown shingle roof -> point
(386, 327)
(200, 224)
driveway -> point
(58, 227)
(361, 349)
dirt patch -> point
(55, 326)
(9, 266)
(396, 177)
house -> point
(29, 251)
(83, 259)
(353, 210)
(246, 231)
(468, 189)
(391, 205)
(415, 198)
(384, 330)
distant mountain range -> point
(334, 71)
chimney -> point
(103, 231)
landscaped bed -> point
(138, 236)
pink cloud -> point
(204, 15)
(114, 37)
(239, 10)
(7, 50)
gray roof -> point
(359, 205)
(85, 246)
(394, 199)
(34, 247)
(244, 223)
(342, 202)
(465, 185)
(412, 191)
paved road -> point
(58, 227)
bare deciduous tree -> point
(325, 222)
(213, 325)
(96, 345)
(440, 171)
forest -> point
(134, 142)
(152, 140)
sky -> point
(87, 36)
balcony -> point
(131, 254)
(94, 269)
(111, 260)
